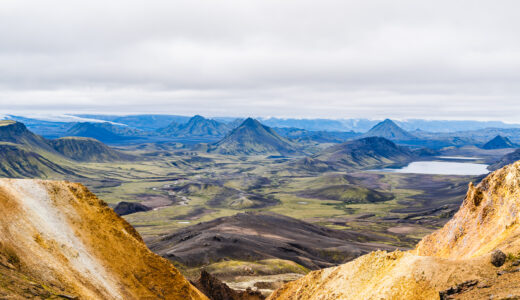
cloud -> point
(444, 59)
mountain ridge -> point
(368, 152)
(87, 150)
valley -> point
(257, 209)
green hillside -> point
(87, 150)
(251, 137)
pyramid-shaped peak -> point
(499, 142)
(390, 130)
(250, 122)
(197, 118)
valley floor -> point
(186, 188)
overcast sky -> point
(337, 59)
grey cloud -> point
(445, 59)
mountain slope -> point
(363, 153)
(197, 126)
(17, 133)
(87, 150)
(19, 162)
(251, 137)
(499, 142)
(506, 160)
(461, 259)
(64, 238)
(104, 132)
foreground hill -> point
(87, 150)
(59, 241)
(197, 126)
(251, 137)
(16, 133)
(499, 142)
(474, 256)
(260, 236)
(363, 153)
(389, 130)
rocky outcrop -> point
(126, 208)
(57, 238)
(488, 219)
(459, 261)
(217, 290)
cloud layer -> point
(297, 58)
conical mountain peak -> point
(499, 142)
(251, 137)
(390, 130)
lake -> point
(441, 168)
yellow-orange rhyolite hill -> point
(489, 219)
(57, 238)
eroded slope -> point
(73, 243)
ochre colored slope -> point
(57, 237)
(459, 252)
(488, 219)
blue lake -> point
(441, 168)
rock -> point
(503, 272)
(516, 263)
(498, 258)
(459, 288)
(218, 290)
(126, 208)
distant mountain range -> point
(251, 137)
(303, 135)
(363, 125)
(105, 132)
(154, 122)
(189, 131)
(143, 122)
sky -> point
(282, 58)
